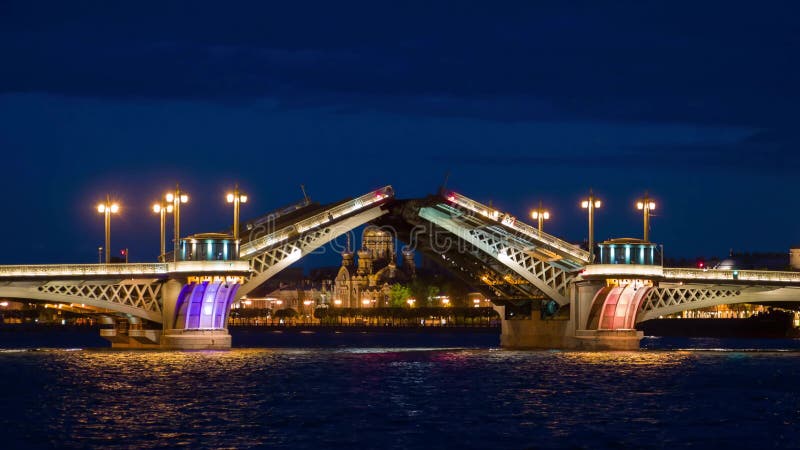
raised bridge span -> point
(549, 292)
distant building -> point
(478, 300)
(368, 284)
(794, 257)
(754, 261)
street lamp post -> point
(162, 209)
(176, 198)
(646, 205)
(108, 208)
(236, 197)
(591, 204)
(541, 215)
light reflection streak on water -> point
(398, 398)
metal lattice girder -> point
(478, 268)
(671, 299)
(137, 297)
(269, 262)
(471, 266)
(552, 281)
(324, 218)
(661, 301)
(537, 239)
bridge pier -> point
(128, 333)
(570, 329)
(195, 315)
(196, 340)
(533, 332)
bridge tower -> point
(196, 304)
(601, 311)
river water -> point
(404, 391)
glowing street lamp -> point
(646, 205)
(176, 198)
(163, 208)
(236, 198)
(108, 208)
(541, 215)
(591, 204)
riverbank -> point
(770, 326)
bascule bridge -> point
(185, 303)
(553, 294)
(549, 293)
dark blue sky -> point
(694, 101)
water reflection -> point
(636, 358)
(398, 398)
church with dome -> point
(365, 282)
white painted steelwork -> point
(269, 262)
(137, 297)
(124, 270)
(551, 280)
(733, 275)
(326, 217)
(530, 232)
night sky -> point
(695, 102)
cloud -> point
(676, 62)
(768, 152)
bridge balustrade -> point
(731, 275)
(323, 218)
(522, 227)
(58, 270)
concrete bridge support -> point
(572, 328)
(196, 315)
(128, 332)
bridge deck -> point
(324, 217)
(693, 275)
(275, 221)
(528, 231)
(155, 270)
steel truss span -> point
(664, 300)
(272, 253)
(137, 297)
(508, 250)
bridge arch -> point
(73, 294)
(622, 307)
(616, 307)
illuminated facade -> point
(209, 247)
(205, 305)
(628, 251)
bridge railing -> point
(56, 270)
(732, 275)
(280, 212)
(511, 222)
(120, 269)
(365, 201)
